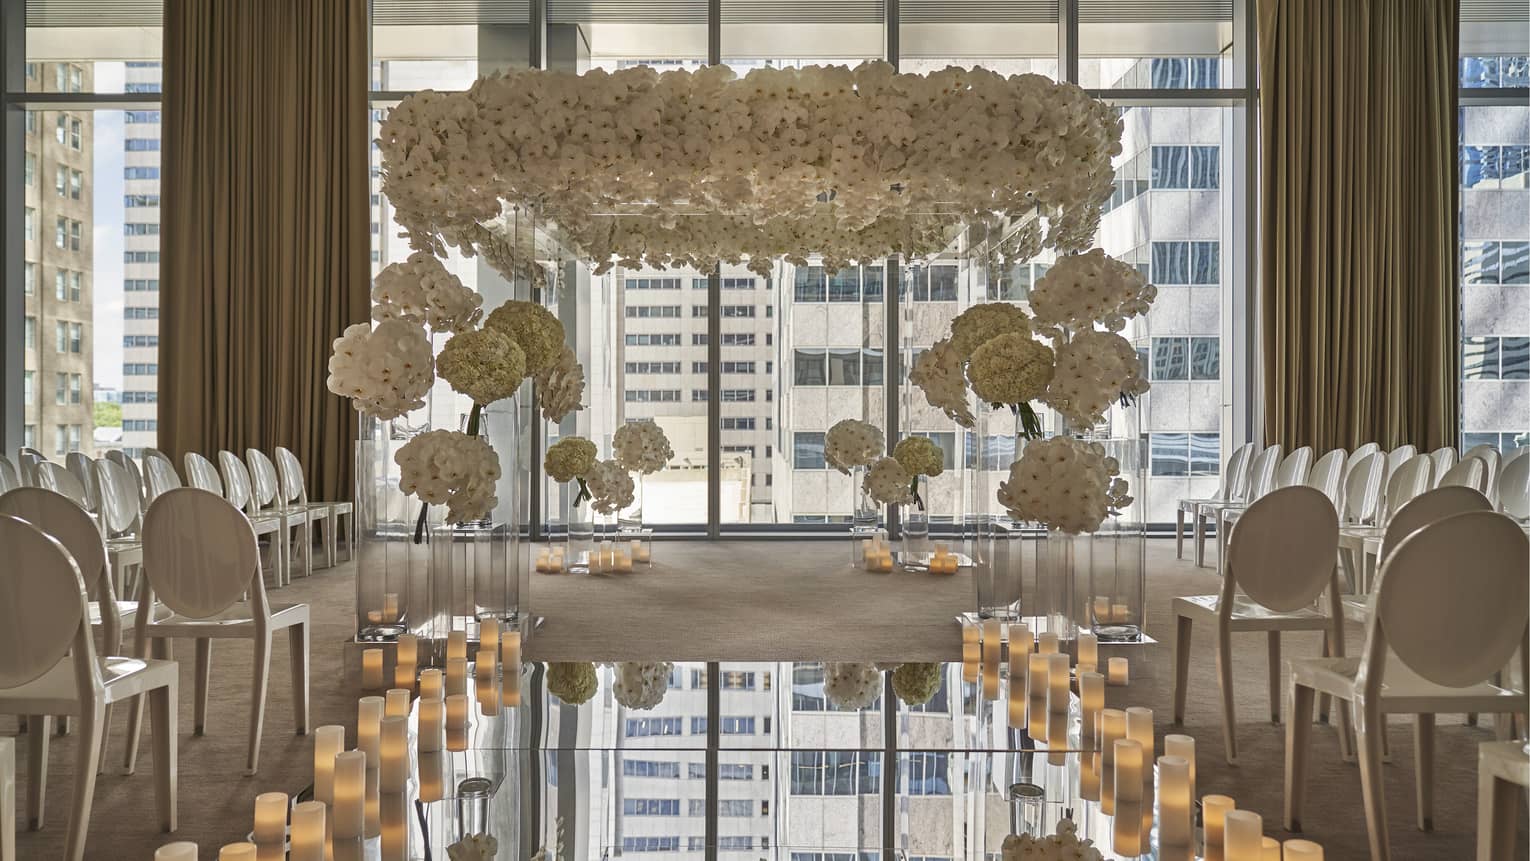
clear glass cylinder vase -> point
(392, 569)
(474, 577)
(991, 540)
(579, 536)
(864, 514)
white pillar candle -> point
(371, 669)
(456, 711)
(1214, 809)
(1127, 762)
(1302, 850)
(992, 644)
(397, 702)
(1091, 694)
(972, 660)
(1057, 737)
(1102, 608)
(1058, 683)
(271, 818)
(1088, 652)
(349, 809)
(456, 645)
(372, 810)
(1120, 613)
(1021, 641)
(390, 607)
(1117, 672)
(237, 852)
(1242, 836)
(510, 685)
(1016, 697)
(1270, 850)
(1037, 680)
(1182, 746)
(431, 684)
(1019, 672)
(1048, 642)
(488, 639)
(1089, 774)
(1174, 828)
(432, 712)
(406, 661)
(1112, 728)
(395, 754)
(328, 741)
(180, 850)
(393, 826)
(308, 831)
(431, 787)
(369, 715)
(456, 676)
(1139, 728)
(510, 650)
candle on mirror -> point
(349, 809)
(1091, 695)
(431, 684)
(431, 786)
(993, 637)
(972, 661)
(1270, 850)
(488, 639)
(328, 741)
(369, 715)
(1102, 608)
(390, 607)
(510, 650)
(1088, 652)
(1016, 700)
(1057, 737)
(406, 661)
(180, 850)
(237, 852)
(456, 645)
(371, 669)
(393, 825)
(1021, 642)
(1089, 776)
(1111, 729)
(456, 711)
(1058, 683)
(1174, 826)
(1139, 728)
(308, 829)
(432, 712)
(456, 740)
(1127, 761)
(1182, 746)
(542, 559)
(456, 676)
(372, 812)
(1214, 810)
(1116, 671)
(397, 702)
(1048, 642)
(271, 818)
(1038, 680)
(510, 685)
(1302, 850)
(1242, 836)
(395, 754)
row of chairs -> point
(201, 580)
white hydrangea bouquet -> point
(641, 685)
(1065, 845)
(851, 686)
(640, 447)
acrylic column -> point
(990, 538)
(392, 568)
(864, 533)
(1117, 553)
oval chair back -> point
(1471, 472)
(291, 485)
(1294, 469)
(1453, 631)
(263, 478)
(1427, 508)
(135, 476)
(27, 460)
(1443, 459)
(10, 479)
(1327, 475)
(1399, 456)
(43, 612)
(1514, 487)
(1407, 482)
(236, 482)
(201, 473)
(1282, 553)
(1480, 449)
(1261, 473)
(1365, 450)
(1235, 476)
(119, 501)
(1362, 489)
(161, 474)
(1495, 464)
(68, 524)
(58, 479)
(199, 554)
(82, 466)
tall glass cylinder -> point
(392, 569)
(579, 535)
(1116, 606)
(990, 539)
(863, 516)
(915, 528)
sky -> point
(106, 186)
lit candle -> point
(390, 606)
(1017, 693)
(972, 661)
(1048, 642)
(971, 633)
(397, 702)
(328, 741)
(456, 645)
(1037, 684)
(1088, 652)
(488, 696)
(271, 818)
(395, 754)
(993, 636)
(510, 685)
(237, 852)
(456, 740)
(431, 712)
(488, 639)
(542, 559)
(510, 650)
(456, 676)
(1120, 613)
(373, 811)
(456, 711)
(1057, 737)
(1214, 810)
(1139, 728)
(1302, 850)
(369, 715)
(1111, 729)
(1128, 798)
(430, 776)
(1174, 801)
(308, 831)
(430, 684)
(1242, 836)
(180, 850)
(1089, 776)
(1091, 695)
(1021, 643)
(1019, 672)
(393, 823)
(624, 563)
(1058, 683)
(1270, 850)
(1116, 671)
(349, 809)
(1102, 608)
(555, 564)
(1182, 746)
(407, 660)
(371, 669)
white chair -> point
(1234, 475)
(292, 488)
(1399, 456)
(1292, 471)
(27, 460)
(1430, 646)
(1503, 773)
(1405, 483)
(48, 666)
(200, 473)
(1443, 458)
(159, 474)
(120, 522)
(268, 502)
(10, 479)
(1327, 475)
(1261, 480)
(1471, 472)
(1362, 488)
(201, 561)
(50, 476)
(236, 489)
(1495, 464)
(81, 466)
(119, 457)
(1514, 487)
(1280, 561)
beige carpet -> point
(766, 601)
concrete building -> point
(140, 265)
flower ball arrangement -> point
(1065, 845)
(560, 387)
(1066, 483)
(421, 291)
(641, 685)
(851, 443)
(486, 365)
(916, 684)
(888, 483)
(611, 487)
(386, 371)
(452, 469)
(851, 686)
(572, 682)
(641, 447)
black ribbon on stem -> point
(1030, 423)
(584, 492)
(474, 417)
(913, 486)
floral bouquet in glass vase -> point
(611, 490)
(569, 460)
(921, 459)
(851, 446)
(641, 448)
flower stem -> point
(583, 494)
(913, 486)
(1030, 423)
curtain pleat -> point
(1360, 306)
(265, 243)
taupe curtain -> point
(1358, 208)
(265, 241)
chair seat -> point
(53, 693)
(1402, 690)
(1211, 507)
(1354, 537)
(337, 507)
(1250, 616)
(1505, 760)
(1358, 608)
(1192, 505)
(236, 621)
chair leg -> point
(87, 758)
(8, 804)
(329, 540)
(350, 535)
(1423, 769)
(106, 733)
(297, 647)
(1225, 683)
(39, 731)
(1322, 699)
(258, 705)
(162, 704)
(136, 705)
(1179, 534)
(1298, 738)
(1498, 806)
(1372, 791)
(1503, 726)
(1274, 638)
(1182, 630)
(1200, 541)
(201, 680)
